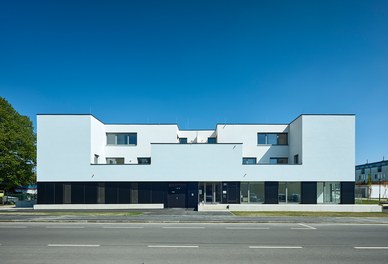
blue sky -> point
(199, 63)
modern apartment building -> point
(372, 180)
(82, 160)
(373, 172)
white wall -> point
(98, 140)
(196, 136)
(247, 135)
(146, 134)
(67, 144)
(63, 147)
(328, 143)
(295, 140)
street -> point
(192, 243)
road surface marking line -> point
(371, 247)
(183, 227)
(124, 227)
(13, 226)
(247, 228)
(167, 246)
(65, 227)
(71, 245)
(274, 247)
(306, 227)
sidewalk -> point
(168, 216)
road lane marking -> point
(65, 227)
(247, 228)
(124, 227)
(13, 226)
(169, 246)
(275, 247)
(71, 245)
(371, 247)
(183, 227)
(306, 227)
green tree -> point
(17, 148)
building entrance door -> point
(210, 192)
(176, 196)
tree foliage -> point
(17, 148)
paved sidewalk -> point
(167, 216)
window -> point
(296, 159)
(252, 192)
(96, 158)
(362, 171)
(182, 140)
(144, 161)
(289, 192)
(114, 160)
(211, 140)
(379, 169)
(272, 138)
(249, 161)
(328, 192)
(261, 138)
(278, 160)
(121, 138)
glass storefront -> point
(328, 192)
(210, 192)
(289, 192)
(252, 192)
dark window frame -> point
(213, 140)
(183, 140)
(296, 159)
(277, 160)
(131, 139)
(115, 158)
(264, 138)
(140, 160)
(246, 159)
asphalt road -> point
(192, 243)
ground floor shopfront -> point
(190, 194)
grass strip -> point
(310, 214)
(75, 213)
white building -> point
(372, 180)
(81, 160)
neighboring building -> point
(372, 180)
(84, 161)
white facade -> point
(310, 160)
(67, 145)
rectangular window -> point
(144, 161)
(182, 140)
(289, 192)
(111, 139)
(278, 160)
(211, 140)
(261, 139)
(362, 171)
(121, 138)
(96, 158)
(379, 169)
(114, 161)
(272, 138)
(249, 161)
(296, 159)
